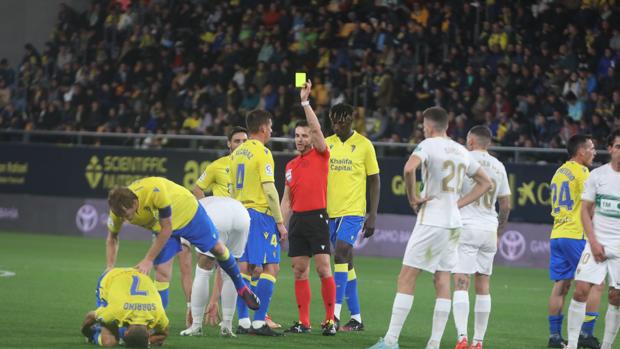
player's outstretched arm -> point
(111, 249)
(273, 199)
(483, 184)
(504, 212)
(146, 264)
(587, 211)
(316, 134)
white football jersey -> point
(445, 164)
(227, 214)
(482, 214)
(603, 188)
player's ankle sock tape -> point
(588, 323)
(163, 290)
(231, 268)
(555, 324)
(264, 291)
(353, 301)
(341, 276)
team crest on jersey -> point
(266, 151)
(289, 175)
(156, 190)
(352, 148)
(331, 146)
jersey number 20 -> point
(562, 198)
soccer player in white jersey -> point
(600, 216)
(233, 224)
(478, 241)
(432, 245)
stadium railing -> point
(281, 145)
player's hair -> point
(483, 134)
(341, 112)
(438, 116)
(235, 130)
(575, 143)
(302, 123)
(137, 336)
(257, 118)
(120, 199)
(612, 137)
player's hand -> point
(304, 94)
(212, 315)
(598, 251)
(417, 203)
(283, 232)
(369, 225)
(145, 266)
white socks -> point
(612, 322)
(337, 309)
(576, 315)
(200, 295)
(400, 310)
(440, 318)
(460, 312)
(482, 310)
(229, 300)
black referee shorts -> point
(309, 234)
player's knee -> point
(461, 283)
(324, 271)
(581, 293)
(614, 296)
(300, 273)
(271, 269)
(108, 341)
(205, 262)
(343, 253)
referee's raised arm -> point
(316, 135)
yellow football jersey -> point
(251, 165)
(216, 177)
(566, 187)
(349, 165)
(130, 298)
(155, 193)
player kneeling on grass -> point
(149, 203)
(233, 223)
(129, 310)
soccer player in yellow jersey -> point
(216, 177)
(252, 177)
(172, 213)
(568, 239)
(129, 309)
(352, 164)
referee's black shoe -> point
(298, 327)
(265, 331)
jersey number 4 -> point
(562, 198)
(135, 287)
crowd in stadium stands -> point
(534, 74)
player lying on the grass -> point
(600, 215)
(149, 203)
(233, 224)
(129, 311)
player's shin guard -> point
(460, 312)
(163, 289)
(303, 295)
(588, 323)
(328, 291)
(440, 318)
(242, 308)
(612, 322)
(229, 265)
(264, 291)
(341, 276)
(482, 311)
(229, 298)
(200, 294)
(576, 314)
(353, 301)
(400, 311)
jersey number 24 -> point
(561, 198)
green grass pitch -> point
(43, 305)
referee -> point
(305, 195)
